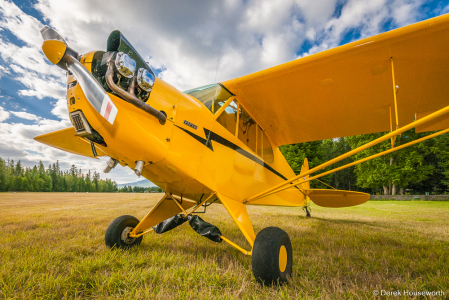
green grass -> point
(52, 247)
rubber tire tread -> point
(113, 235)
(265, 256)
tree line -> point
(16, 178)
(138, 189)
(418, 169)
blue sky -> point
(182, 40)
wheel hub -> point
(125, 236)
(282, 258)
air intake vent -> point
(80, 123)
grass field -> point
(52, 247)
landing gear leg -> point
(272, 257)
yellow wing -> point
(67, 140)
(349, 90)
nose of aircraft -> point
(57, 52)
(54, 50)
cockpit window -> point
(213, 96)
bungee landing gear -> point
(272, 255)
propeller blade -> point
(48, 33)
(56, 50)
(93, 91)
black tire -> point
(266, 256)
(117, 230)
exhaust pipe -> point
(110, 165)
(130, 98)
(138, 168)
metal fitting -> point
(138, 168)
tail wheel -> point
(272, 257)
(117, 233)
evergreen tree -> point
(18, 171)
(95, 178)
(41, 169)
(2, 175)
(11, 184)
(18, 184)
(47, 183)
(88, 183)
(25, 185)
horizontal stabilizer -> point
(67, 140)
(336, 198)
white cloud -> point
(38, 85)
(248, 35)
(3, 71)
(14, 104)
(406, 12)
(23, 26)
(365, 17)
(3, 114)
(25, 115)
(40, 78)
(60, 109)
(28, 57)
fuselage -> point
(191, 154)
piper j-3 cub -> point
(220, 143)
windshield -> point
(213, 96)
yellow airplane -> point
(220, 143)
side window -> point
(249, 132)
(228, 118)
(247, 129)
(264, 148)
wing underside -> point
(349, 90)
(67, 140)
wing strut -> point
(357, 150)
(395, 91)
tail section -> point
(305, 168)
(336, 198)
(330, 198)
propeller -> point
(59, 53)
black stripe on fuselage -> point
(212, 136)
